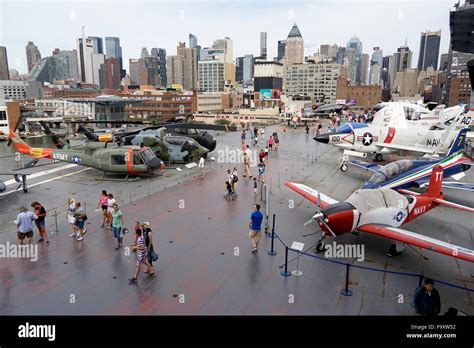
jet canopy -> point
(391, 170)
(347, 128)
(366, 200)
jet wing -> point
(312, 195)
(364, 165)
(420, 241)
(449, 185)
(441, 201)
(420, 149)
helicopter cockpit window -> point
(189, 145)
(147, 155)
(137, 160)
(118, 159)
(192, 131)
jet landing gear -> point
(378, 157)
(343, 164)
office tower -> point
(160, 53)
(350, 61)
(328, 51)
(98, 44)
(263, 45)
(294, 47)
(377, 56)
(356, 44)
(193, 41)
(85, 50)
(281, 49)
(443, 62)
(149, 71)
(340, 55)
(211, 75)
(239, 69)
(248, 69)
(97, 60)
(190, 74)
(174, 69)
(109, 74)
(33, 55)
(429, 50)
(134, 67)
(144, 52)
(62, 65)
(4, 74)
(114, 50)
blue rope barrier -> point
(372, 268)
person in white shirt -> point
(201, 167)
(110, 207)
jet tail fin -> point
(459, 142)
(436, 181)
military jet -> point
(104, 156)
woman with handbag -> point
(148, 237)
(139, 247)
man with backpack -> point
(81, 218)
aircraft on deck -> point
(382, 212)
(104, 156)
(358, 140)
(416, 173)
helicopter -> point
(104, 156)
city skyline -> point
(317, 22)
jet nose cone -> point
(323, 138)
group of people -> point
(345, 116)
(24, 224)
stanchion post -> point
(272, 252)
(266, 210)
(56, 221)
(261, 193)
(285, 273)
(346, 291)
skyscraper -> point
(33, 55)
(134, 67)
(62, 65)
(85, 49)
(356, 44)
(190, 74)
(239, 69)
(149, 72)
(98, 44)
(263, 45)
(328, 51)
(294, 47)
(350, 61)
(160, 53)
(193, 41)
(114, 50)
(247, 71)
(109, 74)
(4, 74)
(174, 69)
(281, 49)
(429, 50)
(144, 52)
(377, 56)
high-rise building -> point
(350, 61)
(443, 62)
(400, 61)
(356, 44)
(85, 50)
(375, 74)
(429, 50)
(161, 54)
(377, 56)
(227, 45)
(340, 55)
(190, 73)
(149, 71)
(33, 55)
(211, 75)
(174, 69)
(328, 51)
(263, 45)
(281, 49)
(97, 60)
(114, 50)
(134, 67)
(144, 52)
(363, 69)
(248, 68)
(4, 74)
(315, 80)
(193, 41)
(239, 69)
(98, 44)
(294, 47)
(62, 65)
(109, 74)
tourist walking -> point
(117, 225)
(139, 247)
(246, 166)
(261, 172)
(255, 226)
(40, 212)
(229, 195)
(103, 198)
(255, 186)
(147, 235)
(81, 218)
(427, 301)
(24, 225)
(235, 179)
(270, 143)
(71, 216)
(110, 207)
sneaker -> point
(254, 250)
(40, 240)
(72, 235)
(121, 240)
(80, 238)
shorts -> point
(80, 223)
(71, 219)
(270, 146)
(256, 234)
(22, 235)
(104, 207)
(40, 223)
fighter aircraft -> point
(416, 173)
(382, 212)
(104, 156)
(389, 140)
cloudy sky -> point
(146, 23)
